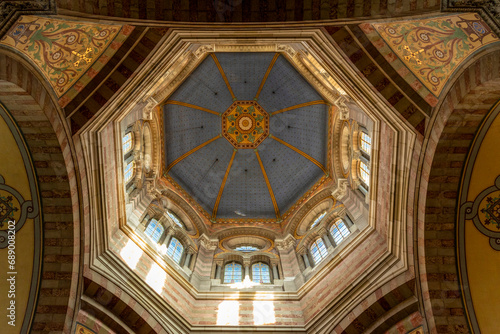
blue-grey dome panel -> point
(245, 194)
(304, 128)
(245, 71)
(205, 87)
(285, 87)
(201, 173)
(186, 128)
(290, 174)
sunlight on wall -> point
(263, 312)
(156, 278)
(228, 313)
(131, 254)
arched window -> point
(233, 273)
(175, 249)
(339, 231)
(154, 230)
(127, 142)
(366, 143)
(260, 273)
(129, 171)
(318, 250)
(246, 249)
(317, 220)
(176, 219)
(364, 172)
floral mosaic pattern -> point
(245, 124)
(64, 50)
(432, 49)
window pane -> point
(151, 227)
(246, 249)
(364, 172)
(366, 143)
(232, 273)
(317, 220)
(175, 219)
(339, 231)
(318, 250)
(260, 273)
(127, 142)
(129, 171)
(175, 250)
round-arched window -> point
(260, 273)
(233, 273)
(175, 249)
(318, 250)
(339, 231)
(154, 230)
(129, 171)
(127, 142)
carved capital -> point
(288, 49)
(147, 111)
(341, 190)
(207, 243)
(204, 49)
(286, 243)
(342, 107)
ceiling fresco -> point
(427, 52)
(478, 226)
(68, 53)
(243, 133)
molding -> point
(340, 191)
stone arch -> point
(34, 108)
(449, 136)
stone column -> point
(246, 264)
(275, 271)
(305, 257)
(187, 260)
(218, 269)
(326, 239)
(168, 237)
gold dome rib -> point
(216, 206)
(223, 75)
(184, 104)
(266, 75)
(305, 155)
(312, 103)
(191, 152)
(275, 204)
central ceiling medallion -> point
(245, 124)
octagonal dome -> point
(279, 152)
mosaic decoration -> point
(68, 53)
(20, 225)
(81, 329)
(485, 213)
(432, 49)
(245, 124)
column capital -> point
(285, 243)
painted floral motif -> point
(492, 211)
(7, 209)
(432, 49)
(62, 50)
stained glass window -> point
(129, 171)
(175, 249)
(366, 143)
(364, 172)
(260, 273)
(317, 220)
(246, 249)
(175, 219)
(233, 273)
(318, 250)
(154, 230)
(339, 231)
(127, 142)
